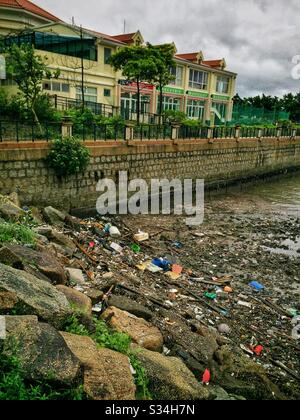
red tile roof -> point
(126, 38)
(214, 63)
(29, 7)
(189, 57)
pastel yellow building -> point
(203, 89)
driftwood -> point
(285, 368)
(81, 248)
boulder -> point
(58, 238)
(8, 210)
(33, 296)
(76, 275)
(240, 376)
(95, 295)
(179, 335)
(77, 300)
(107, 374)
(54, 217)
(8, 301)
(169, 378)
(141, 331)
(128, 305)
(35, 262)
(42, 351)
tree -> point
(137, 65)
(163, 56)
(28, 70)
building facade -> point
(202, 89)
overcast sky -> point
(258, 38)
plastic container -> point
(114, 232)
(141, 237)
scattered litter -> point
(114, 232)
(257, 286)
(177, 245)
(177, 269)
(135, 248)
(153, 268)
(228, 289)
(116, 247)
(206, 377)
(211, 296)
(97, 308)
(141, 236)
(245, 304)
(162, 263)
(224, 329)
(258, 350)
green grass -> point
(107, 338)
(15, 387)
(15, 233)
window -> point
(195, 109)
(170, 103)
(90, 94)
(177, 72)
(72, 46)
(107, 55)
(56, 87)
(222, 84)
(198, 79)
(221, 109)
(107, 93)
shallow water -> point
(282, 193)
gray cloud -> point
(258, 38)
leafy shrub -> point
(16, 233)
(68, 156)
(174, 116)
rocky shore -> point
(145, 307)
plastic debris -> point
(178, 245)
(177, 269)
(258, 350)
(114, 232)
(97, 308)
(206, 377)
(211, 296)
(116, 247)
(141, 236)
(135, 248)
(257, 286)
(162, 263)
(153, 268)
(245, 304)
(228, 289)
(92, 245)
(224, 329)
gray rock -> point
(54, 216)
(22, 257)
(128, 305)
(8, 210)
(76, 275)
(42, 351)
(34, 296)
(169, 378)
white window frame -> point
(196, 109)
(53, 83)
(171, 103)
(90, 94)
(223, 83)
(198, 79)
(177, 72)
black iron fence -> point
(20, 131)
(98, 132)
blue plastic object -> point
(257, 286)
(162, 263)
